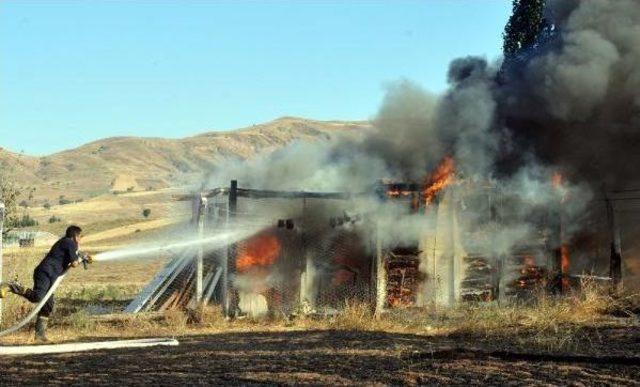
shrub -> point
(25, 221)
(146, 212)
(54, 219)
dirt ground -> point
(338, 358)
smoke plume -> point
(571, 105)
(575, 101)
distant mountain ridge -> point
(121, 163)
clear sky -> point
(73, 72)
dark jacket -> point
(62, 254)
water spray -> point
(224, 238)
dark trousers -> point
(41, 284)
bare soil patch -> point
(336, 357)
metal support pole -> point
(230, 297)
(199, 260)
(1, 231)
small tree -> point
(9, 196)
(146, 212)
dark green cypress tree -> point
(524, 26)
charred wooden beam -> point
(267, 194)
(230, 294)
(206, 194)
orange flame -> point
(397, 193)
(440, 178)
(558, 182)
(261, 250)
(529, 260)
(556, 179)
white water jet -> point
(221, 239)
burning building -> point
(489, 222)
(312, 252)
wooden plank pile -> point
(174, 286)
(479, 281)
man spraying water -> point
(62, 256)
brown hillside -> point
(118, 163)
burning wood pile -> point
(403, 276)
(479, 283)
(529, 276)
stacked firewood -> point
(478, 284)
(403, 276)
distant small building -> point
(29, 241)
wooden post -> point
(615, 258)
(308, 285)
(381, 277)
(1, 262)
(453, 267)
(230, 298)
(559, 265)
(500, 259)
(379, 269)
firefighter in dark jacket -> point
(63, 255)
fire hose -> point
(85, 259)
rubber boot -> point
(41, 328)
